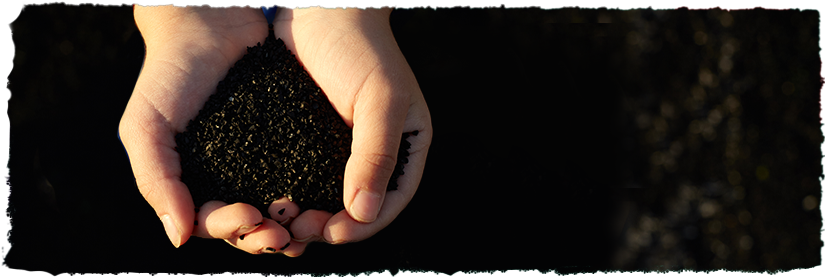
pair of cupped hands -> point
(350, 53)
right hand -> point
(188, 51)
(353, 57)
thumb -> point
(378, 122)
(156, 167)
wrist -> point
(164, 23)
(317, 11)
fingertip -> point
(309, 226)
(295, 249)
(183, 239)
(179, 221)
(177, 230)
(172, 230)
(248, 214)
(283, 210)
(219, 220)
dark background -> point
(572, 140)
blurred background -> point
(566, 140)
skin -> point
(353, 57)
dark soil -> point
(269, 132)
(662, 140)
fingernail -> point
(365, 206)
(172, 230)
(246, 229)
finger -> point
(216, 219)
(149, 142)
(283, 210)
(270, 237)
(295, 248)
(307, 228)
(378, 121)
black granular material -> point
(268, 132)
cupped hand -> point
(352, 55)
(188, 51)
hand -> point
(187, 46)
(352, 55)
(188, 50)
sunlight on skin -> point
(352, 56)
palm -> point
(190, 67)
(335, 51)
(183, 76)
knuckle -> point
(150, 187)
(384, 163)
(147, 189)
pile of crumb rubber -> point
(270, 132)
